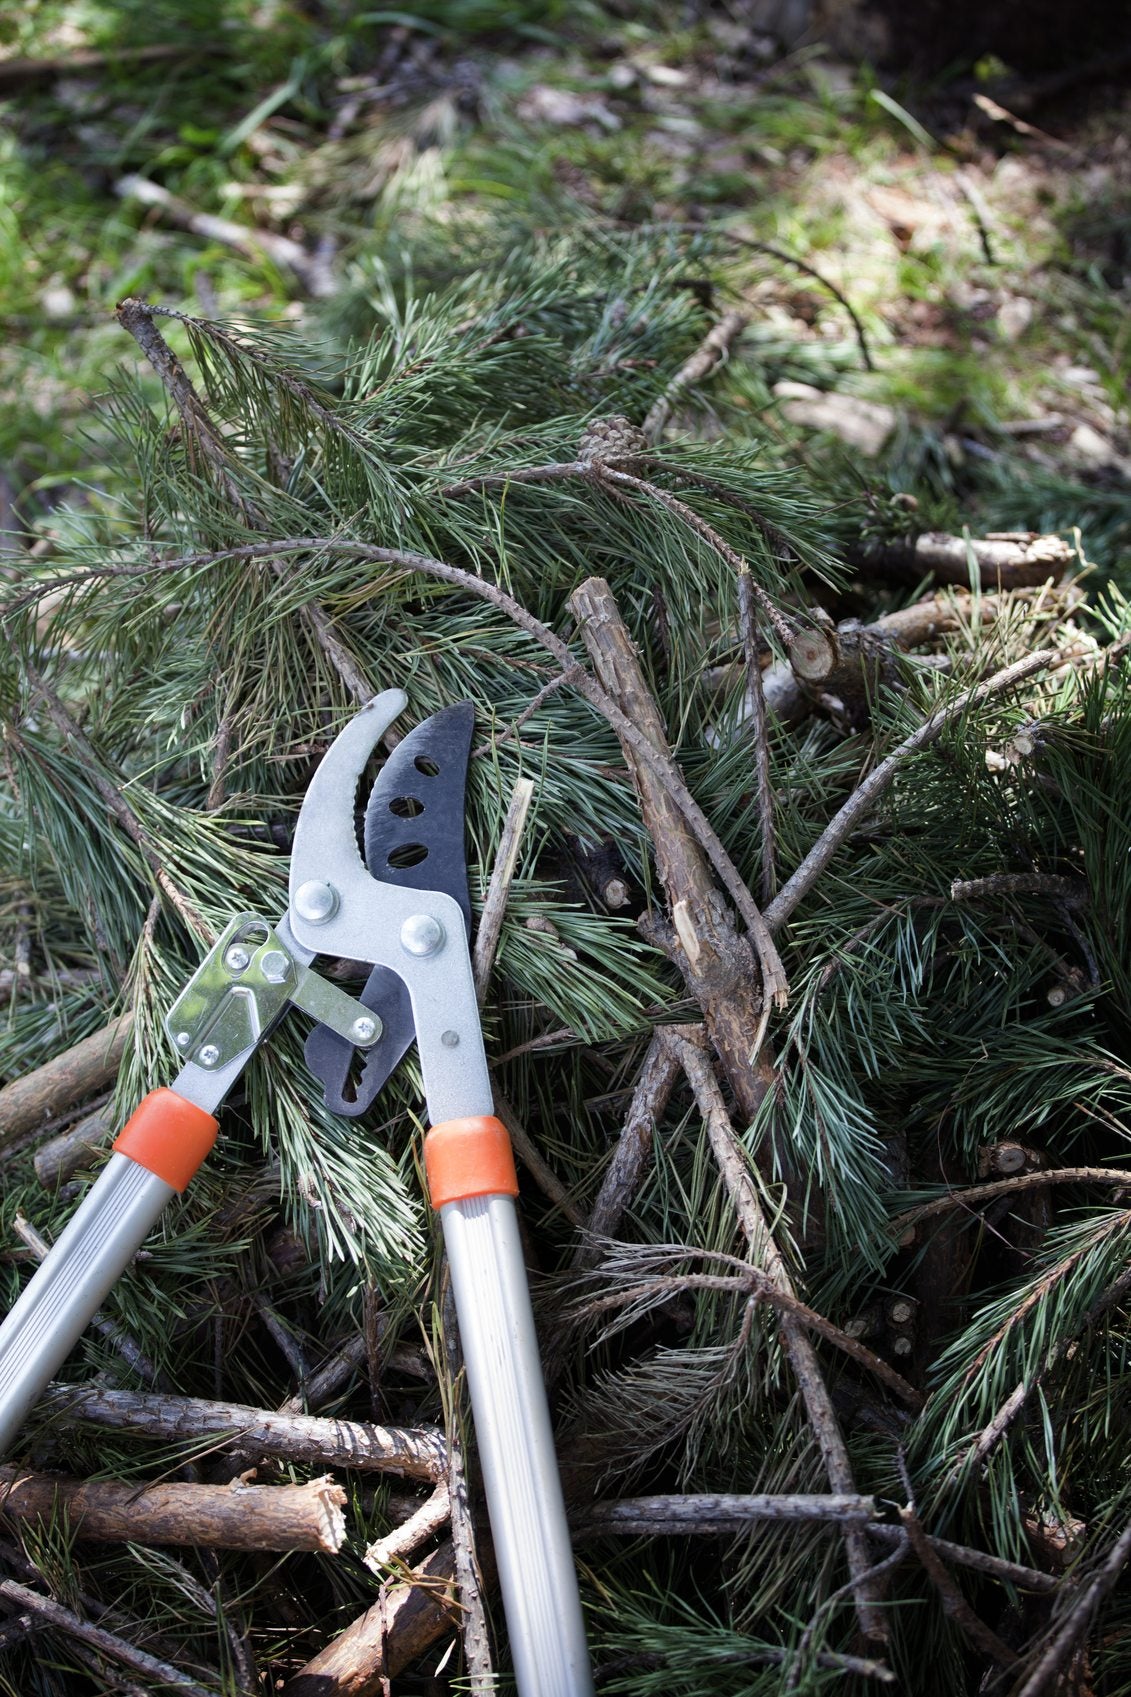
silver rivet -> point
(209, 1055)
(275, 966)
(450, 1039)
(363, 1030)
(422, 935)
(316, 902)
(184, 1038)
(236, 958)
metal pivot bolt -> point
(421, 934)
(237, 958)
(275, 966)
(316, 902)
(363, 1029)
(209, 1055)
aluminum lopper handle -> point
(159, 1149)
(472, 1181)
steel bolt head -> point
(422, 935)
(209, 1055)
(184, 1038)
(316, 902)
(237, 958)
(363, 1030)
(275, 966)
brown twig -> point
(1081, 1613)
(731, 1161)
(469, 1580)
(252, 243)
(64, 1620)
(758, 733)
(866, 793)
(625, 1171)
(714, 348)
(1070, 892)
(953, 1602)
(975, 1193)
(404, 1540)
(222, 1517)
(525, 1149)
(416, 1451)
(498, 890)
(60, 1083)
(1002, 562)
(73, 1150)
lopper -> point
(406, 912)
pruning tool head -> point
(404, 909)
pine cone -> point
(614, 440)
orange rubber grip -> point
(470, 1157)
(168, 1134)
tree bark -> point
(1009, 560)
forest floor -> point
(264, 166)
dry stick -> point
(59, 1083)
(252, 243)
(697, 822)
(625, 1171)
(711, 954)
(222, 1517)
(122, 812)
(498, 890)
(731, 1160)
(714, 348)
(404, 1540)
(758, 734)
(1081, 1613)
(1003, 561)
(416, 1451)
(61, 1619)
(73, 1150)
(385, 1640)
(469, 1579)
(864, 796)
(1005, 1187)
(1069, 892)
(116, 1336)
(543, 1175)
(953, 1602)
(137, 317)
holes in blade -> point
(408, 854)
(427, 767)
(406, 806)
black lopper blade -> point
(413, 838)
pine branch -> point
(404, 1540)
(502, 875)
(712, 351)
(953, 1602)
(64, 1081)
(65, 1621)
(758, 733)
(465, 1558)
(975, 1193)
(1084, 1602)
(865, 795)
(625, 1171)
(802, 1357)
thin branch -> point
(527, 1152)
(864, 796)
(758, 733)
(1072, 892)
(953, 1602)
(712, 351)
(625, 1171)
(469, 1580)
(1081, 1613)
(498, 890)
(404, 1540)
(416, 1451)
(252, 243)
(63, 1620)
(1004, 1187)
(731, 1160)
